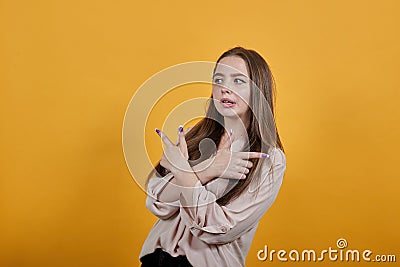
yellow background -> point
(68, 70)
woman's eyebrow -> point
(232, 75)
(238, 74)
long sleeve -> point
(215, 224)
(164, 210)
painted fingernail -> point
(265, 155)
(157, 131)
(180, 129)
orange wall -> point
(68, 70)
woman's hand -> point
(175, 157)
(226, 164)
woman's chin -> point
(230, 113)
(233, 112)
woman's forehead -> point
(231, 64)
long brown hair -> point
(262, 131)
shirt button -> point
(223, 229)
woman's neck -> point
(237, 126)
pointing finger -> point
(252, 155)
(164, 138)
(182, 142)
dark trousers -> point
(161, 258)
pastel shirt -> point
(210, 234)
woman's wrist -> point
(184, 175)
(204, 171)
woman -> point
(210, 199)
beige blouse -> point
(207, 233)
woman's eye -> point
(239, 81)
(218, 80)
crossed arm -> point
(226, 166)
(216, 224)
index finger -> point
(164, 138)
(253, 155)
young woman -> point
(209, 199)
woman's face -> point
(231, 87)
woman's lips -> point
(227, 103)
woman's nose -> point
(225, 90)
